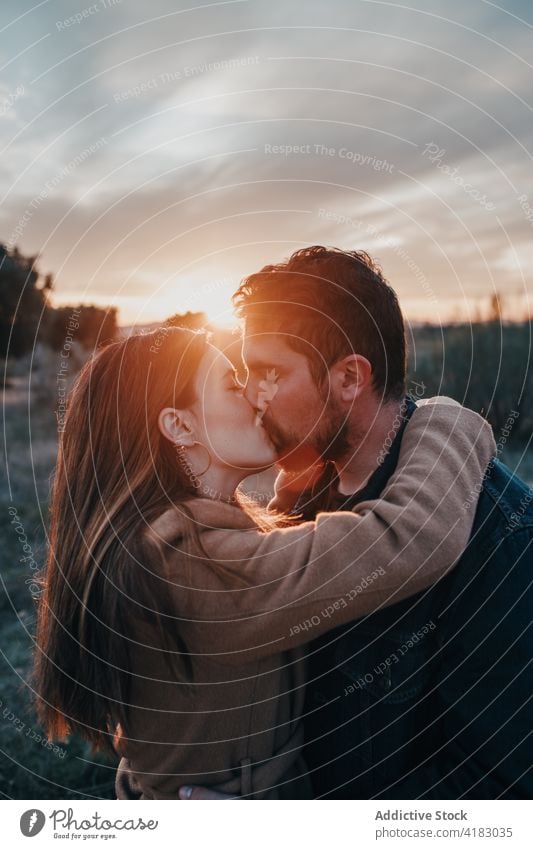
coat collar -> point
(207, 514)
(380, 476)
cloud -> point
(190, 106)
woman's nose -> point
(250, 393)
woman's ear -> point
(352, 376)
(176, 426)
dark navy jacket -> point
(433, 697)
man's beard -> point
(331, 439)
(328, 441)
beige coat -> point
(237, 728)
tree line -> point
(27, 315)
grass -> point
(30, 769)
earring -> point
(184, 463)
(182, 459)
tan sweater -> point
(237, 728)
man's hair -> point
(330, 303)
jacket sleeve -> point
(308, 579)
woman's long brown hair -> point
(115, 474)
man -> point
(430, 698)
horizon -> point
(474, 310)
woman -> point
(174, 617)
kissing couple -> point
(365, 634)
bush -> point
(23, 303)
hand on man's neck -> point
(372, 433)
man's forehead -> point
(265, 347)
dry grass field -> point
(31, 768)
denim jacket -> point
(433, 697)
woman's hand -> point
(290, 484)
(299, 471)
(301, 480)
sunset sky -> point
(155, 153)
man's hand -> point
(189, 792)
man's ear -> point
(176, 426)
(350, 377)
